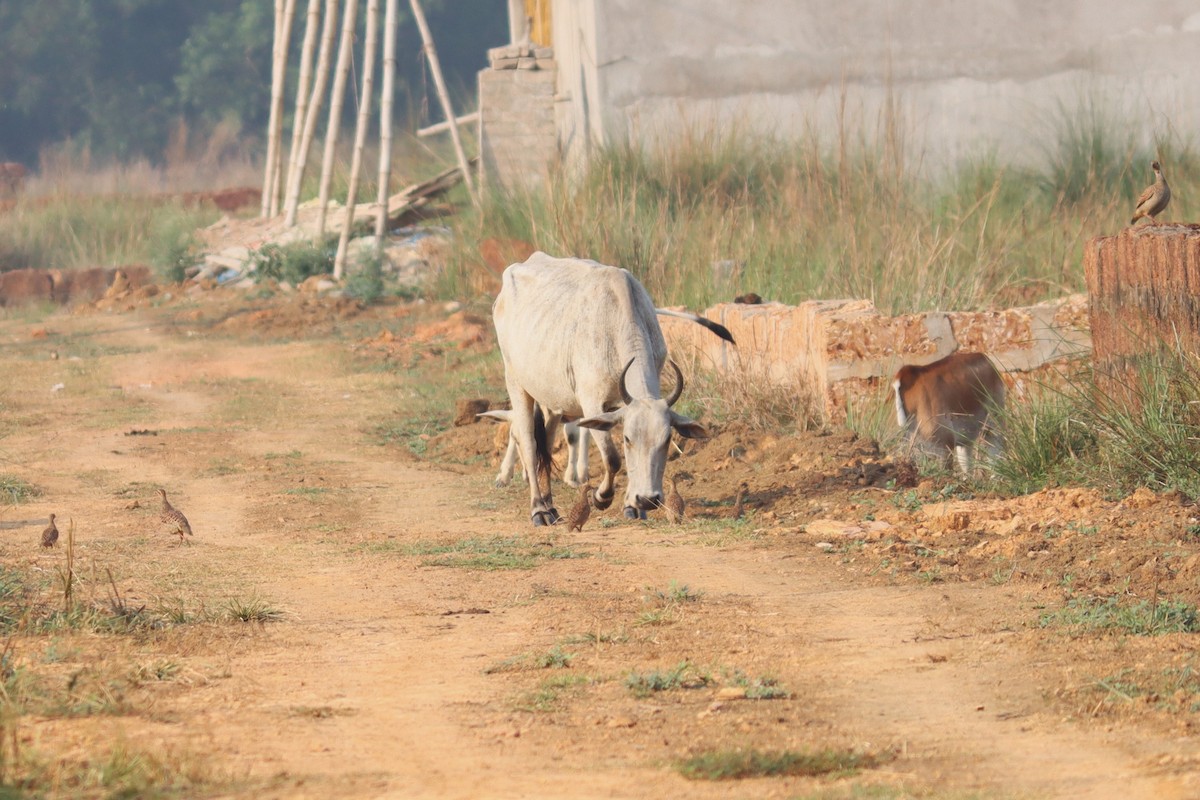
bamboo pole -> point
(307, 51)
(345, 52)
(360, 135)
(276, 90)
(283, 32)
(444, 96)
(385, 121)
(442, 127)
(320, 82)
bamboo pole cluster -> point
(281, 192)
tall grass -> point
(715, 215)
(1141, 428)
(69, 232)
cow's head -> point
(647, 424)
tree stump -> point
(1143, 299)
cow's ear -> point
(602, 422)
(688, 429)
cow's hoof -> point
(632, 513)
(601, 502)
(541, 518)
(500, 484)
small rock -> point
(452, 307)
(58, 387)
(731, 693)
(621, 722)
(825, 546)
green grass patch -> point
(1174, 689)
(730, 765)
(683, 675)
(251, 609)
(487, 553)
(1141, 618)
(15, 490)
(554, 658)
(550, 693)
(70, 232)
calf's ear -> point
(602, 422)
(688, 429)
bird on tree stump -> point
(50, 535)
(580, 512)
(674, 504)
(739, 502)
(1154, 199)
(173, 519)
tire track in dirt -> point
(908, 665)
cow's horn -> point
(678, 384)
(625, 392)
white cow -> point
(597, 365)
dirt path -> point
(386, 679)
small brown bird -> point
(674, 504)
(1154, 199)
(50, 535)
(173, 519)
(739, 502)
(580, 512)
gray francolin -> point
(739, 502)
(580, 512)
(1154, 199)
(172, 518)
(50, 535)
(674, 504)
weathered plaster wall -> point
(964, 76)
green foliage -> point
(682, 676)
(1140, 619)
(1138, 428)
(296, 261)
(489, 553)
(69, 232)
(14, 490)
(366, 281)
(715, 215)
(726, 765)
(251, 609)
(172, 242)
(118, 76)
(1044, 439)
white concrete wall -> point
(964, 75)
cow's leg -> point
(611, 459)
(508, 464)
(541, 506)
(577, 455)
(553, 423)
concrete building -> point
(953, 77)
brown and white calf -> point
(949, 405)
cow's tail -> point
(541, 450)
(715, 327)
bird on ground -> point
(739, 502)
(674, 504)
(1154, 199)
(580, 512)
(50, 535)
(172, 518)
